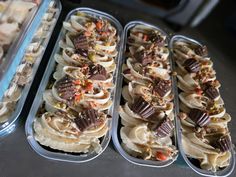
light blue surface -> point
(17, 57)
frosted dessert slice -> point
(204, 120)
(147, 116)
(81, 87)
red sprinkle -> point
(77, 82)
(199, 91)
(77, 97)
(89, 86)
(161, 156)
(99, 25)
(145, 37)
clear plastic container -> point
(117, 125)
(224, 172)
(60, 155)
(22, 61)
(13, 36)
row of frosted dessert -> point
(147, 115)
(204, 121)
(12, 16)
(75, 114)
(24, 71)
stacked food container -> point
(26, 27)
(155, 94)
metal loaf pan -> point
(59, 155)
(117, 124)
(8, 126)
(224, 172)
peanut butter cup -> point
(212, 92)
(80, 42)
(86, 119)
(192, 65)
(161, 87)
(157, 39)
(201, 50)
(165, 128)
(224, 143)
(66, 88)
(201, 118)
(143, 108)
(82, 52)
(143, 58)
(97, 72)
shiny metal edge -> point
(67, 157)
(221, 173)
(115, 131)
(19, 44)
(9, 126)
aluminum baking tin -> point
(117, 125)
(63, 156)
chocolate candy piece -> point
(97, 72)
(66, 88)
(142, 108)
(192, 65)
(161, 87)
(165, 128)
(158, 39)
(224, 143)
(201, 118)
(201, 50)
(82, 52)
(143, 58)
(86, 119)
(127, 71)
(80, 42)
(206, 85)
(212, 92)
(131, 40)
